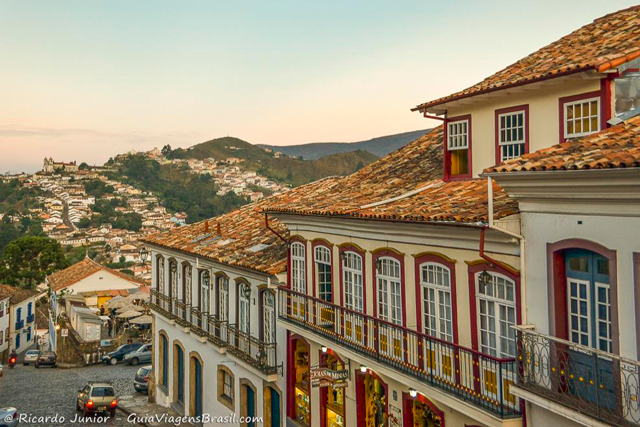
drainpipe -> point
(266, 224)
(523, 270)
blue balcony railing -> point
(19, 324)
(30, 318)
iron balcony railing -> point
(596, 383)
(471, 376)
(246, 347)
(19, 324)
(30, 318)
(252, 350)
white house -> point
(5, 315)
(22, 317)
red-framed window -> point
(298, 264)
(511, 132)
(582, 115)
(322, 252)
(298, 379)
(457, 148)
(436, 299)
(389, 294)
(353, 286)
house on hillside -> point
(5, 319)
(21, 312)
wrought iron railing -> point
(199, 321)
(181, 313)
(252, 350)
(472, 376)
(246, 347)
(30, 318)
(596, 383)
(19, 324)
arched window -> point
(435, 282)
(298, 268)
(353, 281)
(223, 298)
(186, 283)
(322, 257)
(389, 290)
(205, 285)
(268, 317)
(160, 274)
(173, 279)
(244, 308)
(497, 315)
(164, 361)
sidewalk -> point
(152, 413)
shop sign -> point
(325, 377)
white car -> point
(8, 417)
(31, 356)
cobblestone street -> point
(49, 392)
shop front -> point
(299, 385)
(372, 399)
(421, 412)
(331, 377)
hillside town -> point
(485, 274)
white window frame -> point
(389, 290)
(223, 298)
(566, 106)
(440, 312)
(352, 267)
(520, 142)
(458, 135)
(205, 294)
(298, 268)
(244, 307)
(607, 304)
(268, 317)
(496, 317)
(322, 256)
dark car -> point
(141, 380)
(118, 355)
(46, 358)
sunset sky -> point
(85, 80)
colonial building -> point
(407, 280)
(51, 166)
(580, 210)
(21, 312)
(5, 320)
(217, 349)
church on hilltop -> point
(51, 166)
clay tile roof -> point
(243, 242)
(81, 270)
(614, 147)
(16, 294)
(405, 186)
(605, 43)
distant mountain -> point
(288, 169)
(380, 146)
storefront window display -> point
(333, 397)
(420, 412)
(302, 407)
(375, 399)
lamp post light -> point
(144, 254)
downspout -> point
(266, 224)
(523, 272)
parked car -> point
(97, 397)
(31, 356)
(141, 355)
(141, 380)
(46, 358)
(8, 417)
(118, 355)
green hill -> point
(290, 170)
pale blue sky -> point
(85, 80)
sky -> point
(86, 80)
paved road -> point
(49, 392)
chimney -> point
(219, 230)
(206, 225)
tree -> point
(28, 260)
(166, 151)
(83, 166)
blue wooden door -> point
(275, 408)
(251, 406)
(589, 324)
(18, 341)
(198, 396)
(180, 374)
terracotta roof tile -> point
(81, 270)
(16, 294)
(607, 39)
(614, 147)
(404, 186)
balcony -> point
(30, 318)
(19, 324)
(206, 326)
(469, 375)
(255, 352)
(598, 384)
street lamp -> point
(484, 279)
(144, 254)
(363, 369)
(324, 349)
(413, 392)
